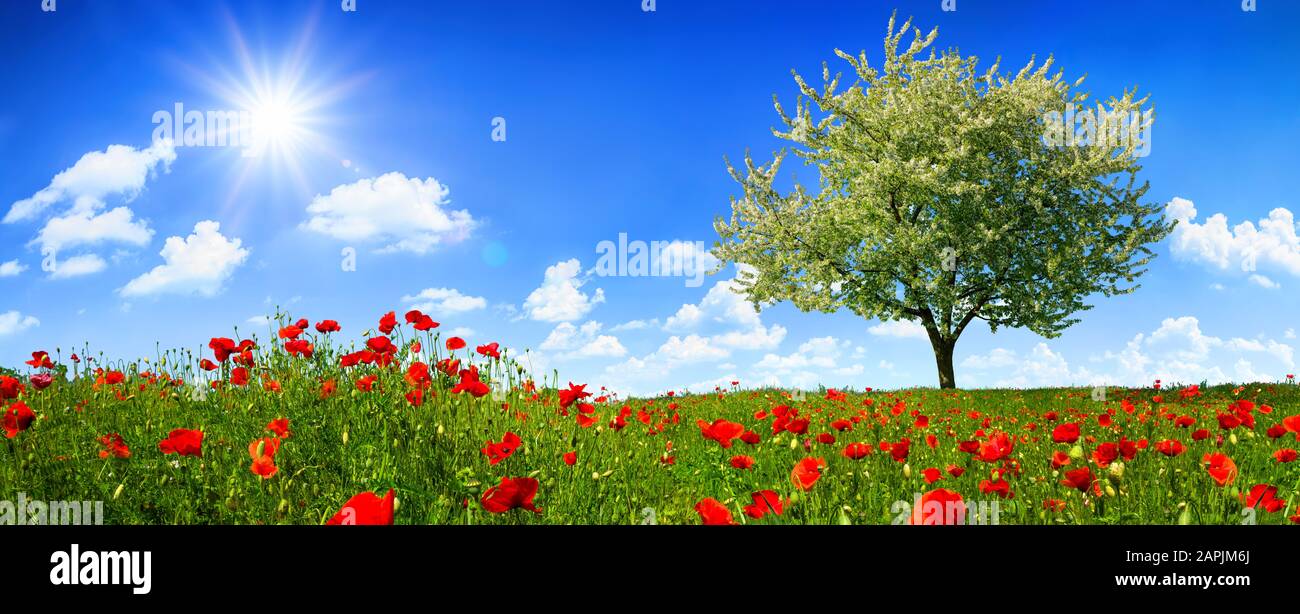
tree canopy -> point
(946, 195)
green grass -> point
(354, 441)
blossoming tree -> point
(947, 195)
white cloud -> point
(817, 361)
(1177, 351)
(409, 214)
(582, 342)
(1273, 244)
(76, 266)
(119, 170)
(12, 322)
(198, 264)
(725, 307)
(460, 331)
(11, 268)
(636, 325)
(87, 228)
(444, 301)
(1264, 282)
(905, 329)
(560, 297)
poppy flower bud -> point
(907, 470)
(345, 438)
(1076, 452)
(794, 443)
(1110, 490)
(1116, 472)
(118, 491)
(1233, 438)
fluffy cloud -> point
(1177, 351)
(408, 214)
(725, 307)
(12, 322)
(904, 329)
(1245, 247)
(11, 268)
(817, 361)
(582, 342)
(198, 264)
(560, 297)
(119, 170)
(444, 301)
(76, 266)
(86, 228)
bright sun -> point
(276, 121)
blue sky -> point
(616, 121)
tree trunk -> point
(943, 359)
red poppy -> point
(263, 452)
(381, 344)
(41, 360)
(300, 347)
(184, 442)
(222, 347)
(1060, 459)
(470, 383)
(900, 450)
(1171, 447)
(1265, 496)
(1292, 423)
(366, 383)
(290, 332)
(239, 376)
(997, 447)
(41, 381)
(750, 437)
(1079, 479)
(932, 475)
(742, 462)
(208, 365)
(806, 472)
(1105, 454)
(499, 451)
(387, 323)
(856, 451)
(114, 446)
(571, 394)
(10, 388)
(713, 512)
(365, 508)
(17, 418)
(1285, 455)
(1053, 505)
(491, 349)
(1221, 468)
(764, 502)
(1001, 488)
(570, 458)
(939, 507)
(721, 431)
(279, 426)
(1066, 433)
(327, 326)
(955, 471)
(455, 343)
(511, 493)
(415, 397)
